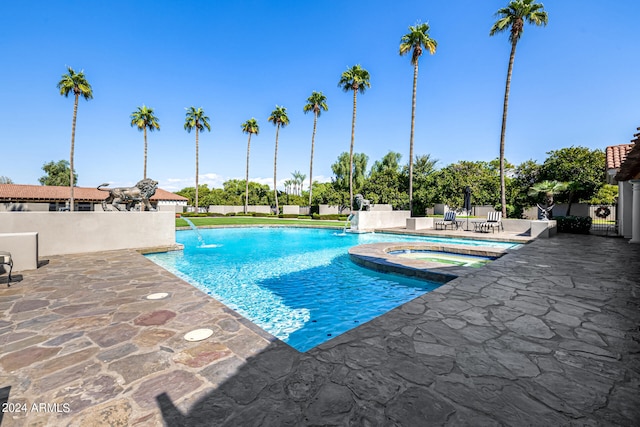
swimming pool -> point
(296, 283)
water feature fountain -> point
(346, 224)
(203, 244)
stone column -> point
(635, 212)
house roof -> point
(630, 167)
(616, 155)
(19, 192)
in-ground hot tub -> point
(439, 262)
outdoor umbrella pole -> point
(467, 203)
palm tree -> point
(512, 18)
(144, 119)
(298, 180)
(414, 41)
(196, 120)
(355, 78)
(78, 84)
(250, 127)
(549, 189)
(279, 118)
(316, 103)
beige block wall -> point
(370, 220)
(23, 248)
(76, 232)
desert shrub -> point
(573, 224)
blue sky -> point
(575, 82)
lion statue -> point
(125, 198)
(361, 203)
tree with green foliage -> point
(316, 103)
(57, 173)
(523, 177)
(355, 79)
(5, 180)
(414, 41)
(279, 119)
(606, 195)
(143, 118)
(350, 178)
(385, 183)
(424, 186)
(77, 84)
(580, 165)
(512, 18)
(249, 127)
(452, 180)
(196, 119)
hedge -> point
(335, 217)
(573, 224)
(261, 215)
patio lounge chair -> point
(5, 259)
(494, 220)
(448, 220)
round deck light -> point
(198, 335)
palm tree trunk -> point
(73, 141)
(197, 171)
(275, 167)
(413, 123)
(313, 138)
(145, 154)
(353, 135)
(503, 192)
(246, 178)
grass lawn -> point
(257, 221)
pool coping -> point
(376, 256)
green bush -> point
(315, 216)
(573, 224)
(288, 216)
(262, 215)
(304, 217)
(194, 214)
(231, 214)
(334, 217)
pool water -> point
(298, 284)
(459, 260)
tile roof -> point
(616, 155)
(630, 167)
(51, 192)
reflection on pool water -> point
(296, 283)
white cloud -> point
(215, 181)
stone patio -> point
(546, 335)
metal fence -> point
(604, 218)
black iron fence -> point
(604, 218)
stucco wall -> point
(23, 248)
(76, 232)
(370, 220)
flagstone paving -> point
(546, 335)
